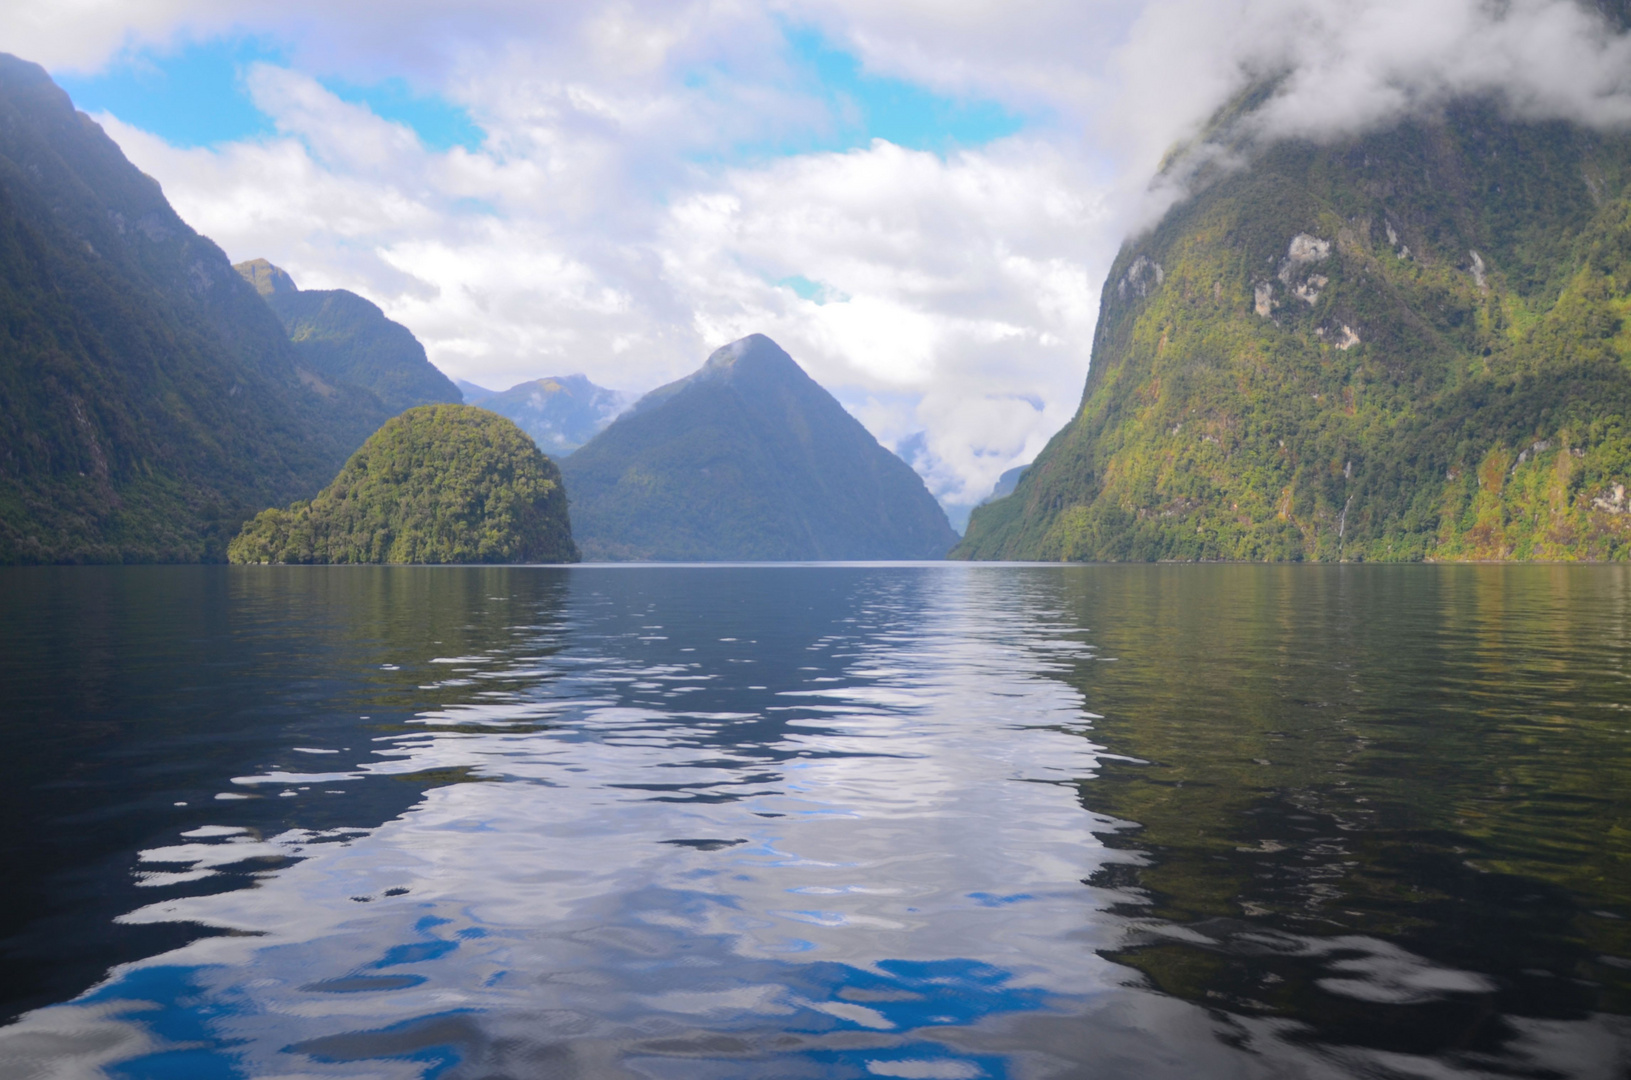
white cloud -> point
(967, 281)
(954, 283)
(596, 228)
(1349, 66)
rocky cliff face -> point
(750, 459)
(1405, 346)
(149, 400)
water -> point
(938, 821)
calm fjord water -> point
(936, 821)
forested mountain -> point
(748, 458)
(437, 484)
(346, 339)
(1407, 345)
(560, 413)
(150, 401)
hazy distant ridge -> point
(561, 413)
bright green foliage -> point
(149, 400)
(748, 459)
(438, 484)
(346, 339)
(1484, 411)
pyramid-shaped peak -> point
(752, 353)
(268, 280)
(748, 458)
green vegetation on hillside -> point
(346, 339)
(438, 484)
(1407, 346)
(748, 458)
(149, 400)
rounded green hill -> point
(437, 484)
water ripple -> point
(834, 821)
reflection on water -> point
(914, 821)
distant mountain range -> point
(560, 413)
(150, 401)
(1412, 344)
(747, 459)
(153, 398)
(346, 339)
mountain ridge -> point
(560, 412)
(149, 400)
(346, 338)
(747, 458)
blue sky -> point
(194, 95)
(865, 106)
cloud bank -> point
(655, 179)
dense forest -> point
(150, 401)
(347, 339)
(1406, 346)
(437, 484)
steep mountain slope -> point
(437, 484)
(748, 459)
(346, 339)
(561, 414)
(472, 393)
(1007, 482)
(149, 400)
(1404, 346)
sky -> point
(919, 199)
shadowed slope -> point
(345, 338)
(149, 401)
(748, 459)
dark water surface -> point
(937, 821)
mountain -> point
(472, 393)
(561, 414)
(150, 401)
(1408, 345)
(748, 459)
(437, 484)
(347, 339)
(1007, 482)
